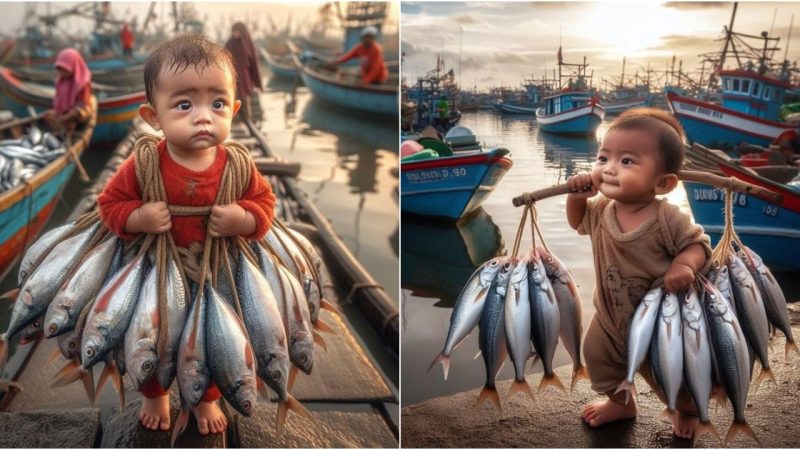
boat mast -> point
(728, 36)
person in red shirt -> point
(126, 36)
(72, 103)
(373, 68)
(190, 86)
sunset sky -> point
(505, 42)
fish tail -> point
(669, 413)
(740, 428)
(87, 377)
(119, 385)
(718, 394)
(765, 375)
(53, 356)
(321, 342)
(577, 374)
(790, 346)
(180, 425)
(630, 390)
(103, 377)
(292, 377)
(705, 428)
(280, 419)
(324, 304)
(323, 327)
(70, 373)
(10, 295)
(551, 380)
(490, 393)
(520, 386)
(445, 360)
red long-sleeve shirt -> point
(373, 69)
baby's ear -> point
(666, 183)
(236, 105)
(148, 113)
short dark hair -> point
(179, 53)
(668, 130)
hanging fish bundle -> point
(522, 305)
(21, 158)
(253, 306)
(708, 338)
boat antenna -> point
(772, 27)
(460, 51)
(788, 39)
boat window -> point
(727, 83)
(746, 86)
(767, 92)
(735, 84)
(756, 89)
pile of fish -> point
(521, 305)
(100, 301)
(21, 158)
(708, 339)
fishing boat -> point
(522, 102)
(575, 108)
(771, 230)
(429, 93)
(115, 112)
(281, 65)
(623, 95)
(26, 208)
(451, 187)
(751, 97)
(111, 71)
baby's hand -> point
(230, 220)
(581, 186)
(150, 218)
(678, 277)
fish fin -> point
(324, 304)
(87, 377)
(298, 408)
(53, 356)
(481, 294)
(3, 351)
(765, 375)
(477, 355)
(323, 327)
(718, 394)
(10, 295)
(520, 386)
(629, 388)
(551, 380)
(445, 360)
(318, 339)
(790, 346)
(740, 428)
(248, 354)
(535, 358)
(119, 385)
(490, 393)
(70, 373)
(292, 377)
(180, 425)
(262, 389)
(103, 377)
(292, 404)
(577, 374)
(280, 419)
(669, 414)
(705, 428)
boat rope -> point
(520, 229)
(73, 156)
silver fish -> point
(40, 248)
(639, 336)
(301, 267)
(142, 334)
(697, 359)
(751, 314)
(467, 310)
(492, 334)
(192, 366)
(517, 322)
(730, 349)
(176, 318)
(545, 319)
(35, 135)
(772, 294)
(721, 278)
(666, 351)
(80, 289)
(111, 312)
(233, 366)
(569, 307)
(297, 320)
(70, 344)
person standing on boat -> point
(126, 36)
(244, 57)
(373, 68)
(72, 104)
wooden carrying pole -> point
(685, 175)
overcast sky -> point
(505, 42)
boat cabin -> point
(751, 93)
(567, 101)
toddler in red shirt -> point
(190, 84)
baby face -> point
(627, 166)
(194, 108)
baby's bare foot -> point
(683, 425)
(210, 419)
(596, 414)
(155, 413)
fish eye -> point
(246, 405)
(72, 345)
(147, 366)
(52, 328)
(276, 376)
(303, 359)
(89, 352)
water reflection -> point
(439, 257)
(569, 154)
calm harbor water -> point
(437, 258)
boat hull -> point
(505, 108)
(579, 121)
(278, 68)
(377, 99)
(770, 230)
(621, 107)
(451, 187)
(716, 127)
(114, 114)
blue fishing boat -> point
(115, 110)
(433, 93)
(282, 66)
(575, 108)
(772, 231)
(624, 95)
(451, 187)
(522, 102)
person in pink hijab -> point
(72, 103)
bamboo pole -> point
(685, 175)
